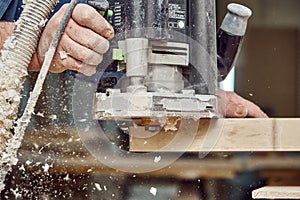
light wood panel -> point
(277, 192)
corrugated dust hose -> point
(15, 58)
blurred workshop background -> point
(268, 68)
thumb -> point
(241, 111)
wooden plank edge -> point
(237, 135)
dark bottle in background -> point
(230, 36)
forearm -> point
(6, 29)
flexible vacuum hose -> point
(15, 58)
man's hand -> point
(233, 105)
(82, 45)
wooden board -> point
(274, 134)
(277, 192)
(64, 149)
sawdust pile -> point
(11, 81)
(15, 57)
